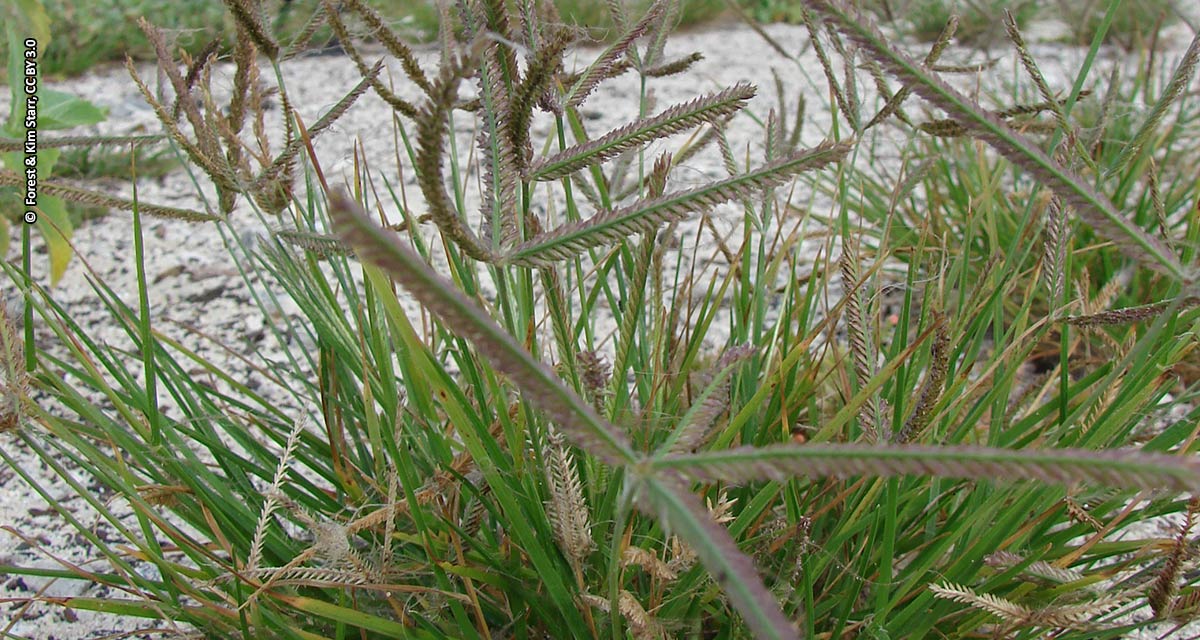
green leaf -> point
(37, 21)
(58, 110)
(16, 90)
(29, 20)
(55, 225)
(388, 628)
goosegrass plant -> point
(460, 445)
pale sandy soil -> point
(195, 283)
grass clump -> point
(456, 446)
(1133, 25)
(96, 31)
(979, 21)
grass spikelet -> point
(473, 516)
(16, 145)
(220, 176)
(612, 226)
(682, 555)
(431, 140)
(639, 557)
(1077, 616)
(1129, 315)
(386, 94)
(530, 26)
(999, 607)
(319, 577)
(630, 318)
(392, 43)
(697, 424)
(674, 67)
(1187, 605)
(195, 67)
(271, 503)
(1079, 513)
(931, 387)
(245, 76)
(1161, 596)
(636, 134)
(1180, 80)
(604, 64)
(14, 381)
(827, 66)
(166, 495)
(1094, 208)
(272, 187)
(1094, 139)
(856, 331)
(1037, 568)
(1031, 68)
(890, 105)
(943, 128)
(656, 36)
(567, 509)
(1154, 192)
(1036, 107)
(83, 196)
(596, 374)
(850, 87)
(641, 625)
(321, 245)
(299, 43)
(503, 149)
(1055, 252)
(616, 9)
(540, 71)
(656, 182)
(205, 141)
(389, 525)
(1056, 466)
(793, 136)
(248, 21)
(965, 68)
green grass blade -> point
(573, 415)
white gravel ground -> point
(194, 282)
